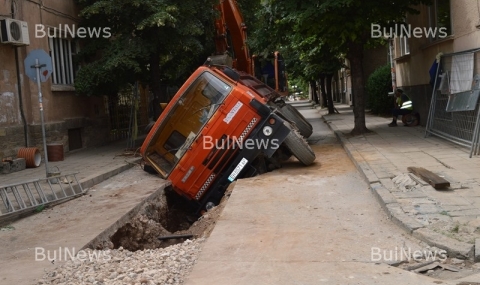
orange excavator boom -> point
(231, 28)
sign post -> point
(38, 59)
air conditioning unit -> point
(14, 32)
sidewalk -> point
(448, 219)
(93, 165)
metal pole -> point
(473, 148)
(37, 66)
(431, 112)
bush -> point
(379, 83)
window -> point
(62, 52)
(403, 45)
(440, 19)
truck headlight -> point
(267, 131)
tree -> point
(307, 56)
(153, 41)
(345, 25)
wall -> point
(412, 70)
(63, 109)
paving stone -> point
(464, 219)
(454, 248)
(419, 201)
(450, 199)
(387, 183)
(427, 208)
(461, 213)
(400, 218)
(450, 208)
(409, 194)
(432, 218)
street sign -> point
(45, 62)
(38, 67)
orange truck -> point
(217, 128)
(224, 123)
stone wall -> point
(94, 132)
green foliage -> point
(40, 208)
(7, 228)
(306, 54)
(378, 85)
(175, 35)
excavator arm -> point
(231, 28)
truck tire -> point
(293, 115)
(299, 147)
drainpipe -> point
(392, 65)
(20, 100)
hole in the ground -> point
(163, 216)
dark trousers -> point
(398, 112)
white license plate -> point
(237, 169)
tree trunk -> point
(355, 56)
(313, 86)
(159, 96)
(322, 90)
(331, 109)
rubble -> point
(119, 266)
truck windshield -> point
(185, 120)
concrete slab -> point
(72, 225)
(313, 225)
(299, 272)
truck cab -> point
(211, 133)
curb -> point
(389, 204)
(100, 242)
(95, 179)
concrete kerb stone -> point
(92, 180)
(342, 141)
(382, 194)
(99, 241)
(404, 221)
(453, 247)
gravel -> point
(168, 265)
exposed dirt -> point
(162, 217)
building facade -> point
(445, 27)
(71, 120)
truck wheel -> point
(299, 146)
(293, 115)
